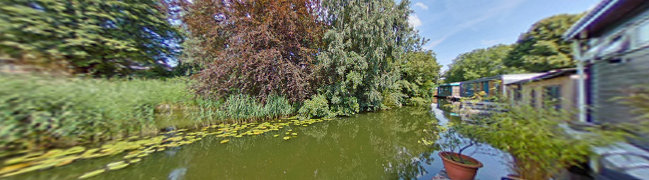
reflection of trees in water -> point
(368, 146)
(396, 136)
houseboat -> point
(449, 91)
(612, 40)
(492, 86)
(554, 89)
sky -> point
(459, 26)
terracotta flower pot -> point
(459, 171)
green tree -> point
(101, 37)
(364, 45)
(542, 48)
(420, 73)
(479, 63)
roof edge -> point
(588, 19)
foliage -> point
(192, 59)
(479, 63)
(362, 52)
(455, 138)
(539, 141)
(277, 106)
(542, 48)
(100, 37)
(39, 111)
(420, 73)
(317, 106)
(259, 47)
(242, 107)
(638, 100)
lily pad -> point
(134, 160)
(116, 165)
(13, 167)
(286, 137)
(225, 141)
(29, 169)
(92, 173)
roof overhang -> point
(602, 16)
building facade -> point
(555, 89)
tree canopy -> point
(479, 63)
(420, 74)
(542, 48)
(100, 37)
(256, 48)
(363, 47)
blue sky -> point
(458, 26)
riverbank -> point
(42, 112)
(377, 145)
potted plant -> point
(458, 166)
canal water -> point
(381, 145)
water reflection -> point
(382, 145)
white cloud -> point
(414, 21)
(421, 5)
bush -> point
(317, 106)
(536, 140)
(41, 111)
(418, 101)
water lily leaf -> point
(74, 150)
(92, 173)
(116, 165)
(134, 160)
(294, 134)
(225, 141)
(29, 169)
(66, 160)
(276, 135)
(286, 138)
(13, 167)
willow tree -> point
(542, 48)
(101, 37)
(365, 42)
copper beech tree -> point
(257, 47)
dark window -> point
(533, 98)
(517, 93)
(552, 97)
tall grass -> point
(243, 108)
(39, 112)
(43, 111)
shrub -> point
(418, 101)
(317, 106)
(536, 140)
